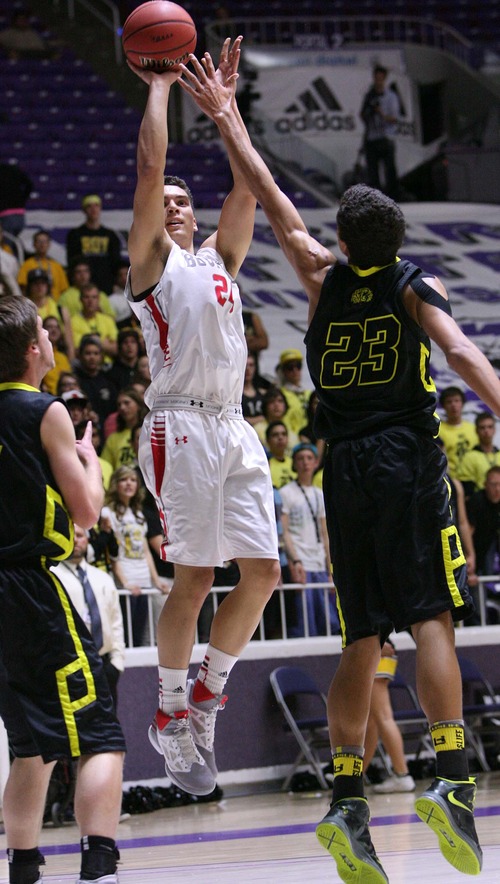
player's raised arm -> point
(236, 223)
(149, 243)
(309, 258)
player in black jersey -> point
(396, 553)
(54, 698)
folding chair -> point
(481, 718)
(304, 708)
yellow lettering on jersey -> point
(360, 353)
(427, 382)
(65, 543)
(95, 245)
(70, 707)
(451, 564)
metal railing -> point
(329, 32)
(108, 17)
(284, 629)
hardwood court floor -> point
(269, 837)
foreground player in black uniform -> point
(54, 698)
(397, 557)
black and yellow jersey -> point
(34, 521)
(368, 359)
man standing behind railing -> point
(306, 544)
(379, 112)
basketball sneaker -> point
(344, 833)
(171, 736)
(104, 879)
(395, 783)
(447, 807)
(202, 716)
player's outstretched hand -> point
(213, 90)
(229, 60)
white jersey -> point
(193, 329)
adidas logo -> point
(317, 108)
(316, 98)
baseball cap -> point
(36, 274)
(290, 356)
(74, 396)
(91, 199)
(305, 446)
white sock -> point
(215, 669)
(172, 689)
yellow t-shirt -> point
(118, 449)
(49, 309)
(457, 439)
(282, 471)
(296, 416)
(100, 324)
(474, 466)
(52, 376)
(56, 272)
(70, 299)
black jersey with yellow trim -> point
(34, 520)
(368, 359)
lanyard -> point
(313, 514)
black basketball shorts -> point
(396, 552)
(54, 697)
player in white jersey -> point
(203, 463)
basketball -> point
(158, 36)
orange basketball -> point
(158, 36)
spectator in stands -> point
(483, 511)
(275, 407)
(118, 448)
(382, 726)
(106, 468)
(124, 315)
(98, 607)
(257, 340)
(79, 273)
(143, 371)
(308, 434)
(90, 321)
(38, 291)
(62, 363)
(15, 189)
(477, 461)
(124, 366)
(22, 40)
(380, 112)
(280, 463)
(67, 381)
(98, 244)
(9, 265)
(93, 380)
(289, 372)
(306, 543)
(79, 407)
(458, 435)
(253, 395)
(55, 271)
(134, 568)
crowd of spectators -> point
(102, 374)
